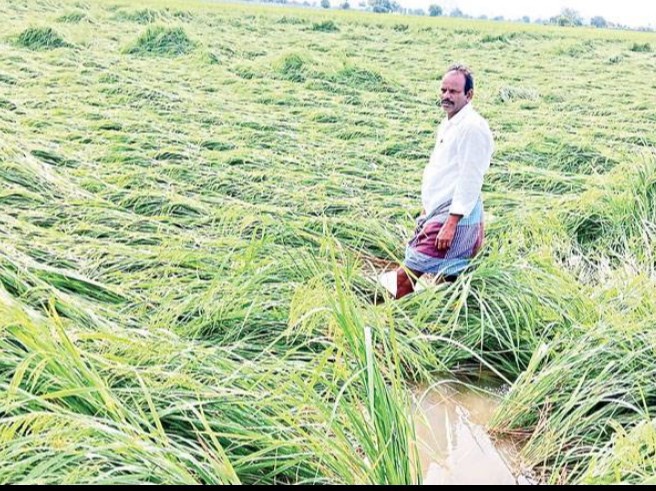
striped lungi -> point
(421, 254)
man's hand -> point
(447, 232)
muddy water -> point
(454, 446)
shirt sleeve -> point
(474, 155)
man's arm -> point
(447, 232)
(474, 154)
(474, 157)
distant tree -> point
(435, 10)
(456, 13)
(482, 17)
(345, 6)
(325, 4)
(598, 21)
(526, 19)
(572, 16)
(567, 17)
(418, 12)
(384, 6)
(498, 18)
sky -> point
(632, 13)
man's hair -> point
(464, 69)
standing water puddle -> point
(454, 446)
(450, 421)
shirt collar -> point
(458, 118)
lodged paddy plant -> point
(193, 199)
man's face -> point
(453, 97)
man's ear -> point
(470, 94)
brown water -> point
(454, 446)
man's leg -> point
(405, 281)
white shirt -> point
(462, 154)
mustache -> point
(444, 101)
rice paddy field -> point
(193, 197)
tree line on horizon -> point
(567, 17)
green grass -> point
(192, 198)
(325, 26)
(294, 67)
(40, 38)
(641, 47)
(144, 16)
(161, 41)
(72, 17)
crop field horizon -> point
(193, 197)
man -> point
(450, 230)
